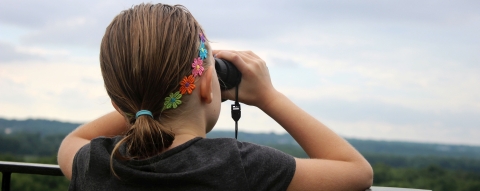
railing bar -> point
(30, 168)
(6, 176)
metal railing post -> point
(6, 176)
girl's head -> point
(146, 59)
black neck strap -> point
(236, 111)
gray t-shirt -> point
(199, 164)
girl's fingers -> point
(255, 75)
(233, 57)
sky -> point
(402, 70)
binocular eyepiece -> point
(228, 74)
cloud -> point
(83, 22)
(9, 53)
(256, 19)
(430, 133)
(372, 69)
(77, 31)
(66, 90)
(399, 114)
(33, 14)
(61, 23)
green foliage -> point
(451, 163)
(30, 144)
(10, 157)
(430, 177)
(29, 182)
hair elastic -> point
(143, 112)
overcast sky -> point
(387, 70)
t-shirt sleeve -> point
(266, 168)
(79, 166)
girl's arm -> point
(108, 125)
(334, 164)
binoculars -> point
(228, 74)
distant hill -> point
(366, 146)
(58, 129)
(44, 127)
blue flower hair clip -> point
(203, 51)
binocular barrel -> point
(228, 74)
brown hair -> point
(145, 52)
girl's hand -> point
(255, 87)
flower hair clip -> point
(187, 85)
(197, 66)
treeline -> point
(42, 126)
(33, 144)
(450, 163)
(431, 178)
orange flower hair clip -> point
(187, 84)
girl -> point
(158, 70)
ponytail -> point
(146, 138)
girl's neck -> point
(185, 133)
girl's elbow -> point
(367, 178)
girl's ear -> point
(206, 94)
